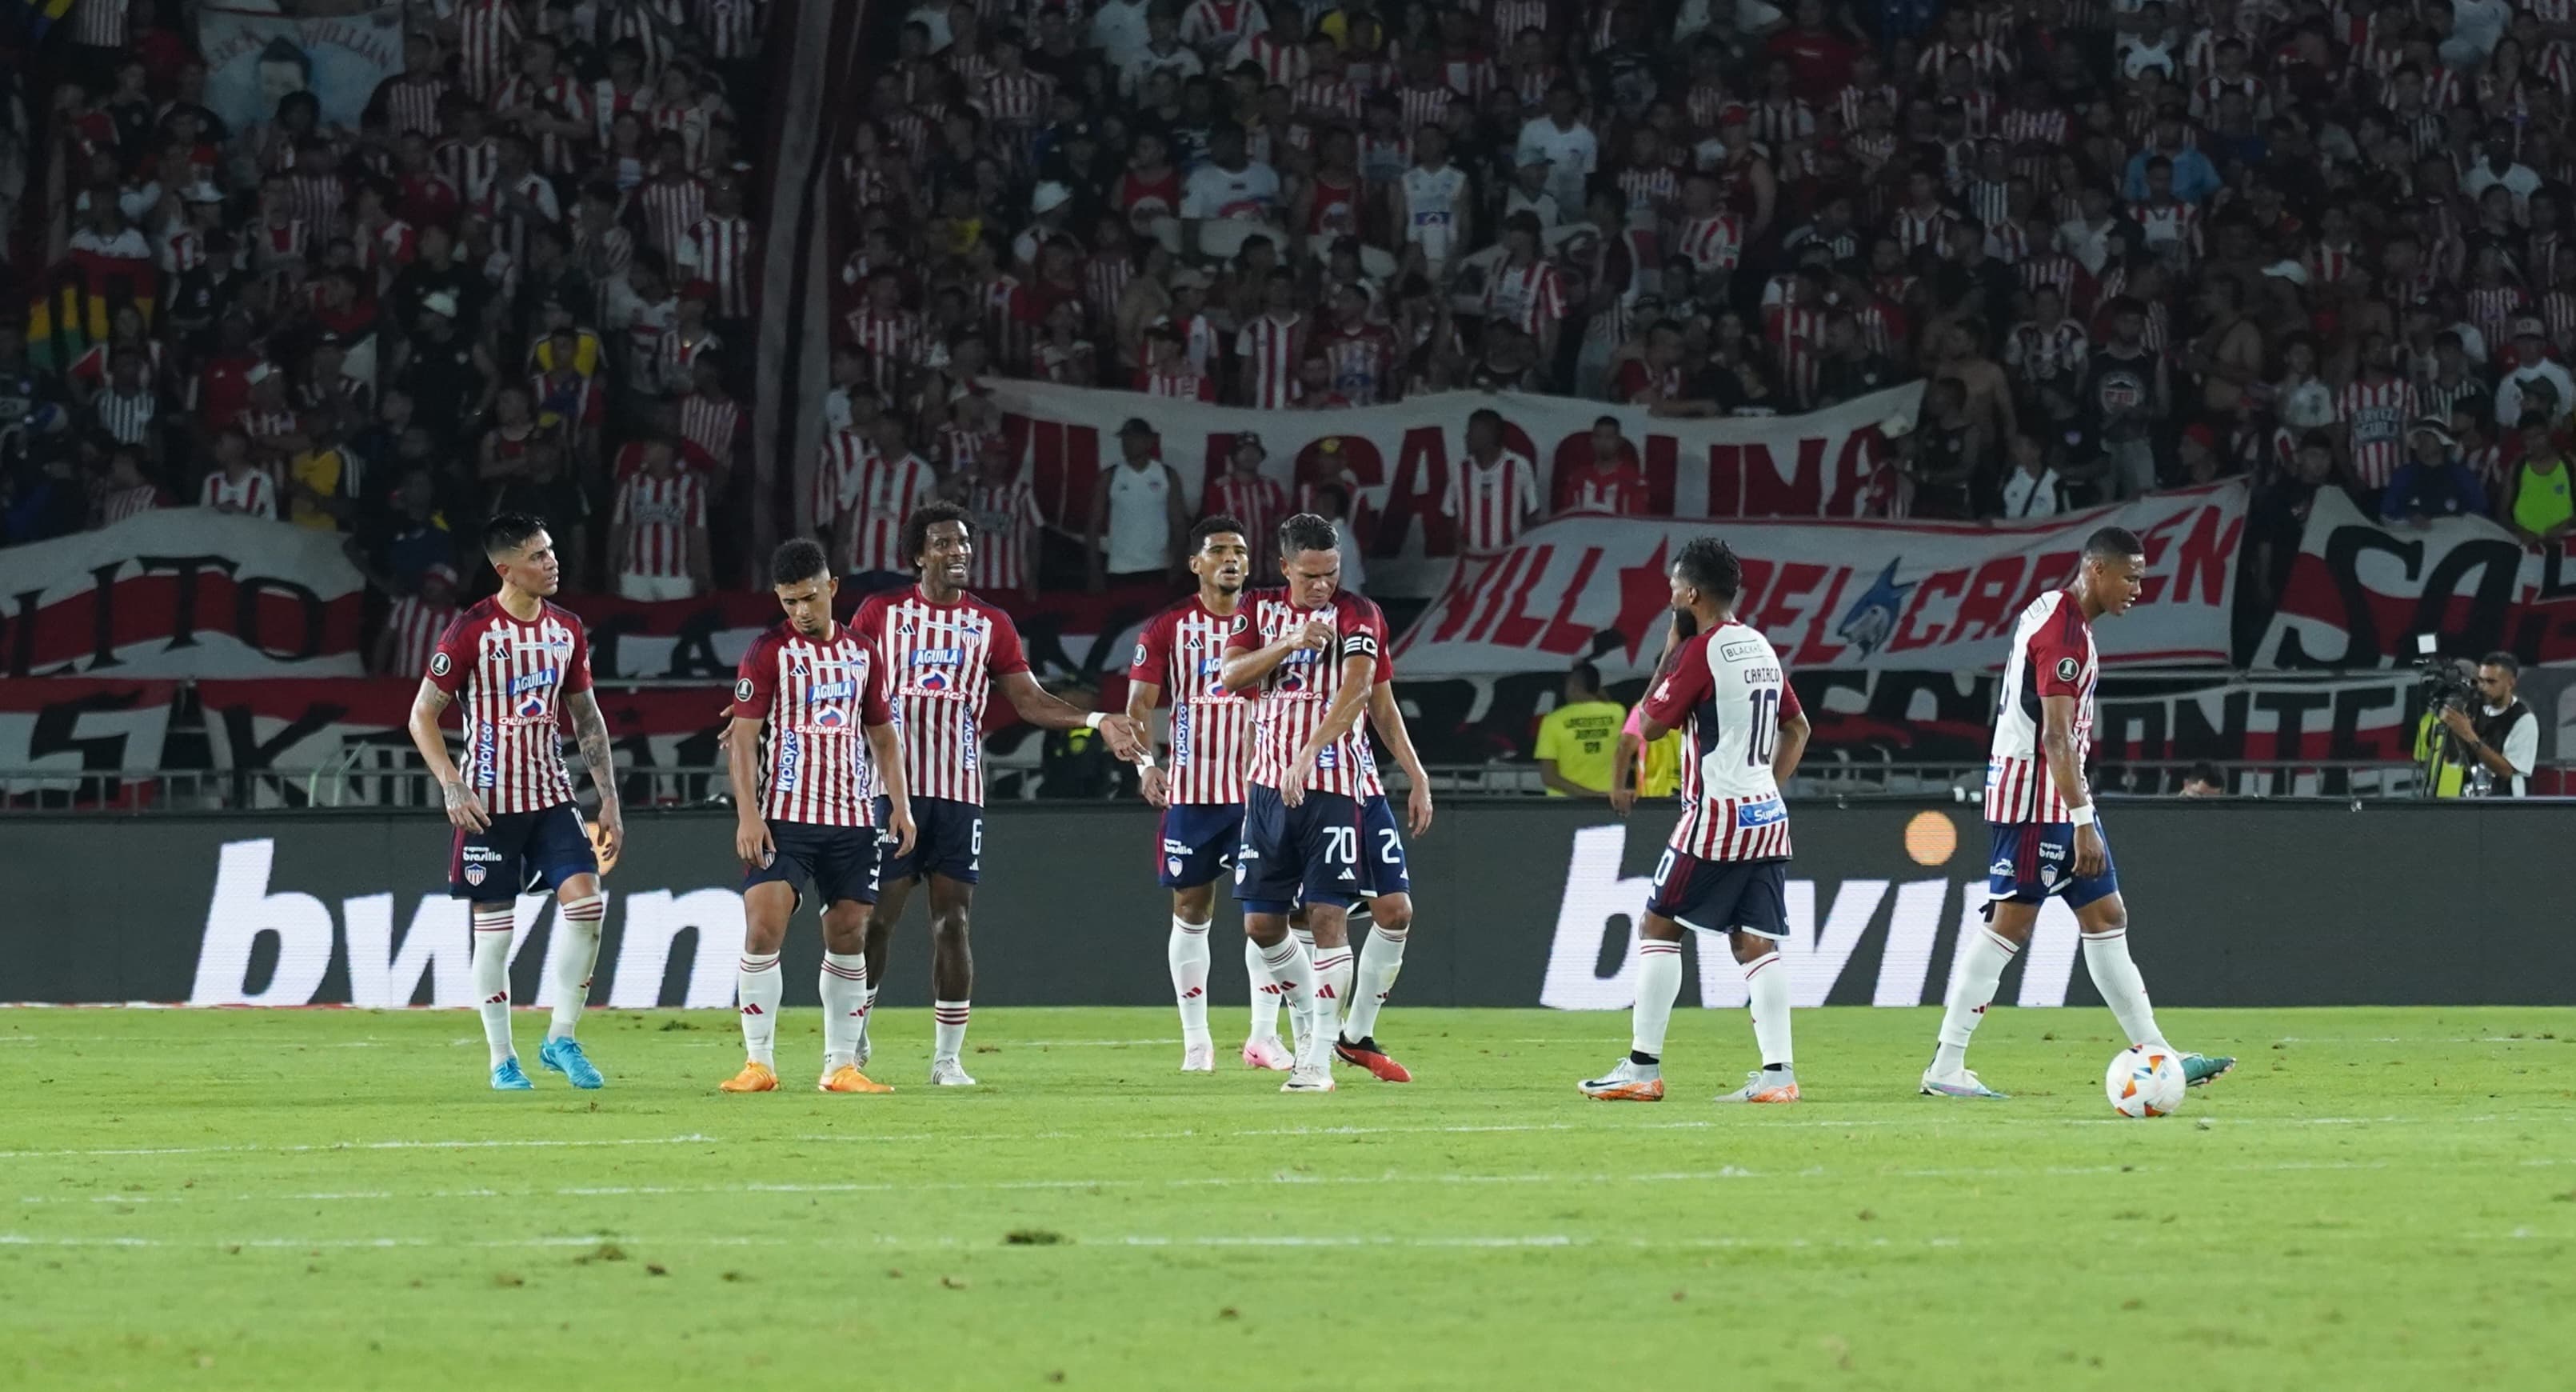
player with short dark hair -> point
(1182, 650)
(2047, 838)
(520, 664)
(1309, 652)
(943, 652)
(810, 704)
(1726, 867)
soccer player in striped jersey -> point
(2047, 838)
(521, 664)
(1726, 868)
(1309, 653)
(809, 703)
(944, 652)
(1182, 651)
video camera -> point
(2440, 679)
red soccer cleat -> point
(1366, 1054)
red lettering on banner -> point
(1564, 635)
(1911, 633)
(1499, 575)
(1465, 592)
(1780, 610)
(1421, 479)
(1855, 469)
(1645, 594)
(1988, 605)
(1661, 484)
(1817, 649)
(1516, 626)
(2157, 538)
(1757, 582)
(2205, 555)
(2053, 570)
(1767, 494)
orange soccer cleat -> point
(848, 1078)
(754, 1077)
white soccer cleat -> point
(1960, 1084)
(1199, 1058)
(1630, 1081)
(948, 1072)
(1316, 1079)
(1268, 1052)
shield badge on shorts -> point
(474, 874)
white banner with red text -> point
(338, 50)
(1836, 594)
(1397, 458)
(181, 592)
(2360, 592)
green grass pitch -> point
(2376, 1199)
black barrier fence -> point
(2233, 904)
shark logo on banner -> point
(1872, 617)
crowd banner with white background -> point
(259, 51)
(1398, 457)
(2361, 591)
(1836, 594)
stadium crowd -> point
(2130, 246)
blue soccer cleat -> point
(565, 1056)
(507, 1076)
(2200, 1069)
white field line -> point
(1984, 1119)
(1281, 1180)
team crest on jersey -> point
(1871, 619)
(474, 874)
(2067, 667)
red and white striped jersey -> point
(117, 506)
(1182, 650)
(836, 475)
(1290, 705)
(1728, 694)
(2492, 306)
(940, 663)
(1269, 348)
(1184, 384)
(670, 210)
(1256, 501)
(1426, 106)
(513, 674)
(2022, 125)
(1016, 99)
(488, 44)
(1530, 297)
(1648, 192)
(1006, 531)
(1220, 24)
(1713, 243)
(1327, 96)
(1510, 17)
(815, 701)
(1281, 58)
(254, 494)
(2040, 352)
(316, 200)
(1362, 359)
(1798, 335)
(1491, 503)
(708, 428)
(473, 170)
(892, 342)
(2052, 655)
(2375, 417)
(722, 252)
(883, 493)
(416, 625)
(1915, 228)
(659, 515)
(731, 27)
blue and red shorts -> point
(2036, 860)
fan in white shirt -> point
(2032, 489)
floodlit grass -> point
(2377, 1199)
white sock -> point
(1659, 982)
(1287, 967)
(1381, 957)
(578, 920)
(758, 988)
(867, 1004)
(1265, 994)
(1768, 982)
(1332, 983)
(492, 927)
(2106, 956)
(949, 1021)
(1972, 989)
(1305, 938)
(1188, 951)
(844, 983)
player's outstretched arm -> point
(590, 731)
(1042, 709)
(1388, 717)
(464, 809)
(889, 761)
(751, 841)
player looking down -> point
(2047, 836)
(519, 664)
(1726, 868)
(810, 707)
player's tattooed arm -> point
(590, 730)
(464, 809)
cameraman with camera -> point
(2497, 744)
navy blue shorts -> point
(1747, 896)
(518, 853)
(1309, 853)
(1199, 841)
(2034, 860)
(1382, 865)
(838, 862)
(948, 841)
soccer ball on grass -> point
(2143, 1082)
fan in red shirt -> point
(1820, 56)
(1609, 483)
